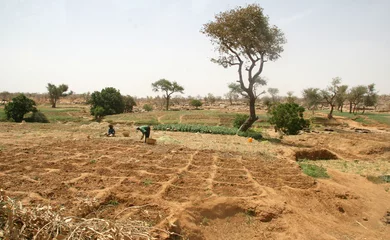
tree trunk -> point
(330, 115)
(54, 103)
(167, 106)
(350, 107)
(341, 110)
(364, 109)
(252, 115)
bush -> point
(207, 129)
(109, 99)
(288, 117)
(129, 103)
(38, 116)
(196, 103)
(19, 106)
(147, 107)
(239, 120)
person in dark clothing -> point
(111, 131)
(145, 131)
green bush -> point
(239, 119)
(109, 99)
(38, 116)
(129, 103)
(207, 129)
(147, 107)
(314, 170)
(19, 106)
(196, 103)
(288, 117)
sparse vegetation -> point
(313, 170)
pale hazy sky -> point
(92, 44)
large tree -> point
(329, 94)
(55, 92)
(168, 88)
(244, 38)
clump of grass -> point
(314, 170)
(379, 179)
(147, 182)
(113, 202)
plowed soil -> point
(199, 186)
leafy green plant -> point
(196, 103)
(148, 107)
(313, 170)
(37, 116)
(288, 117)
(147, 182)
(19, 106)
(107, 102)
(207, 129)
(239, 119)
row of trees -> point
(336, 95)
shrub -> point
(147, 107)
(19, 106)
(196, 103)
(239, 120)
(98, 112)
(38, 116)
(129, 103)
(288, 117)
(109, 99)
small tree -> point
(234, 92)
(274, 95)
(210, 99)
(168, 88)
(109, 99)
(290, 97)
(56, 92)
(196, 103)
(244, 38)
(356, 97)
(288, 117)
(329, 94)
(371, 98)
(312, 98)
(129, 103)
(19, 106)
(147, 107)
(341, 96)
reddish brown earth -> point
(201, 187)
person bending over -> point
(145, 130)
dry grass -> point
(42, 222)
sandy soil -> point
(200, 186)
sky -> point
(128, 45)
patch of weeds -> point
(205, 221)
(93, 161)
(379, 179)
(249, 214)
(313, 170)
(147, 182)
(113, 202)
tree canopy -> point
(55, 92)
(168, 88)
(244, 38)
(19, 106)
(107, 102)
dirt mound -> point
(316, 154)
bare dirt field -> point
(203, 186)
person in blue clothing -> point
(111, 131)
(145, 131)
